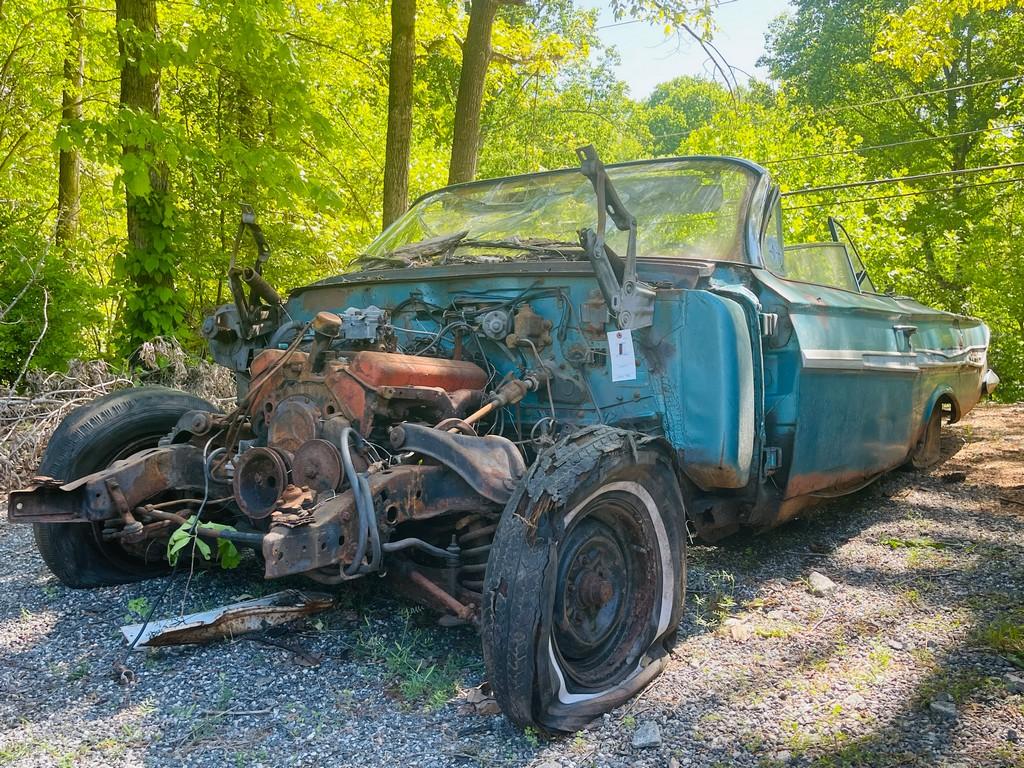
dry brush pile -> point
(29, 416)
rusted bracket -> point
(630, 300)
(491, 465)
(113, 491)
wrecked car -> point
(522, 403)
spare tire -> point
(89, 439)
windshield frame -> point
(751, 220)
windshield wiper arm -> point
(631, 302)
(528, 245)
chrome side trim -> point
(883, 360)
(860, 360)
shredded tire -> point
(89, 439)
(630, 480)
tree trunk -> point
(151, 307)
(69, 162)
(476, 56)
(400, 96)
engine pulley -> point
(261, 474)
(317, 465)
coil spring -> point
(475, 535)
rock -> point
(783, 756)
(647, 735)
(820, 584)
(1014, 683)
(853, 701)
(896, 645)
(740, 632)
(673, 763)
(943, 707)
(1012, 736)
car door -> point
(854, 390)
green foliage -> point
(283, 106)
(227, 552)
(420, 678)
(138, 609)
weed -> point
(14, 752)
(629, 721)
(713, 607)
(880, 659)
(914, 543)
(79, 671)
(752, 742)
(959, 684)
(532, 736)
(1006, 636)
(131, 732)
(913, 597)
(138, 609)
(418, 680)
(781, 629)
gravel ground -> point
(907, 659)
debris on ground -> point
(820, 584)
(29, 416)
(647, 735)
(228, 621)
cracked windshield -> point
(684, 209)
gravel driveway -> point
(911, 653)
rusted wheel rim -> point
(605, 593)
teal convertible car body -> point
(777, 372)
(517, 406)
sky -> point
(649, 57)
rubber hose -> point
(360, 500)
(395, 546)
(375, 547)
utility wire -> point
(895, 179)
(876, 147)
(937, 91)
(954, 188)
(877, 102)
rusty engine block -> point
(301, 472)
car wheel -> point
(928, 450)
(582, 599)
(90, 438)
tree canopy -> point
(131, 131)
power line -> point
(876, 147)
(935, 92)
(954, 188)
(895, 179)
(877, 102)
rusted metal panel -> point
(230, 620)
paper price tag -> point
(620, 353)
